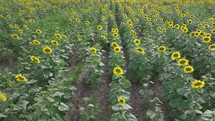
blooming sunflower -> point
(188, 69)
(20, 78)
(114, 44)
(77, 20)
(38, 31)
(183, 62)
(35, 59)
(211, 47)
(58, 36)
(99, 27)
(47, 50)
(121, 100)
(15, 36)
(117, 49)
(198, 84)
(206, 26)
(93, 50)
(117, 71)
(161, 49)
(54, 42)
(136, 41)
(2, 97)
(36, 42)
(175, 55)
(139, 50)
(115, 35)
(206, 39)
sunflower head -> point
(38, 31)
(114, 44)
(188, 69)
(58, 36)
(211, 47)
(139, 50)
(3, 97)
(35, 59)
(21, 78)
(47, 50)
(198, 84)
(183, 62)
(136, 41)
(175, 55)
(117, 49)
(99, 27)
(121, 100)
(206, 39)
(15, 36)
(93, 50)
(161, 49)
(36, 42)
(54, 42)
(115, 35)
(118, 71)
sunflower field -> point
(107, 60)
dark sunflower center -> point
(121, 101)
(20, 78)
(188, 69)
(198, 84)
(175, 55)
(47, 50)
(182, 62)
(118, 70)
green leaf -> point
(63, 107)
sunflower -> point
(77, 20)
(213, 31)
(130, 26)
(10, 51)
(115, 35)
(175, 55)
(198, 84)
(206, 39)
(117, 71)
(164, 30)
(47, 50)
(190, 21)
(121, 100)
(36, 42)
(87, 22)
(20, 78)
(139, 50)
(136, 41)
(211, 47)
(99, 27)
(54, 42)
(35, 59)
(188, 69)
(211, 20)
(199, 25)
(93, 50)
(176, 26)
(192, 34)
(15, 36)
(114, 44)
(38, 31)
(117, 49)
(206, 26)
(3, 97)
(183, 62)
(161, 49)
(159, 28)
(11, 25)
(58, 36)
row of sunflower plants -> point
(118, 94)
(41, 59)
(189, 92)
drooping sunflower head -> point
(93, 50)
(21, 78)
(54, 42)
(47, 50)
(183, 62)
(118, 71)
(211, 47)
(38, 31)
(35, 59)
(198, 84)
(139, 50)
(188, 69)
(136, 41)
(121, 100)
(161, 49)
(117, 49)
(36, 42)
(175, 55)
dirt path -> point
(102, 94)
